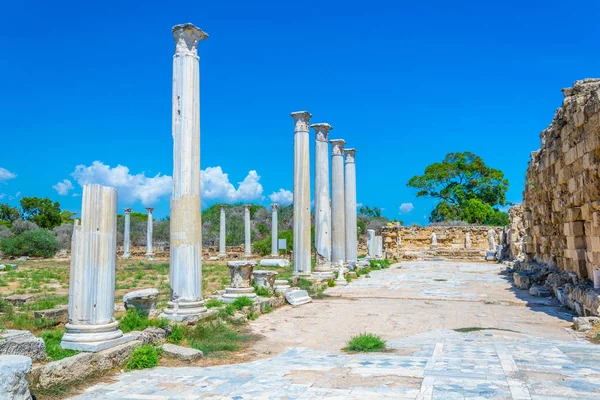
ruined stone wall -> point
(562, 191)
(448, 237)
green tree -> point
(43, 211)
(466, 188)
(9, 214)
(374, 212)
(67, 217)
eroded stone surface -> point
(24, 343)
(142, 300)
(181, 353)
(297, 297)
(13, 382)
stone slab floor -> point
(415, 306)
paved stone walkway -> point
(538, 361)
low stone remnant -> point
(265, 279)
(583, 324)
(23, 343)
(522, 280)
(13, 382)
(540, 291)
(4, 267)
(274, 262)
(181, 353)
(142, 300)
(434, 243)
(340, 280)
(151, 335)
(19, 299)
(60, 313)
(490, 255)
(297, 297)
(241, 280)
(281, 286)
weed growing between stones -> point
(214, 336)
(365, 342)
(267, 309)
(53, 350)
(146, 356)
(262, 292)
(135, 320)
(177, 334)
(331, 282)
(242, 302)
(212, 303)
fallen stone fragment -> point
(22, 343)
(297, 297)
(274, 262)
(522, 279)
(281, 286)
(60, 313)
(583, 324)
(13, 384)
(142, 300)
(18, 299)
(540, 291)
(182, 353)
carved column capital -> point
(322, 131)
(187, 37)
(337, 148)
(301, 120)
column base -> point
(281, 286)
(341, 282)
(323, 275)
(183, 310)
(93, 338)
(233, 293)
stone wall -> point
(562, 193)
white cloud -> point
(17, 194)
(283, 197)
(131, 187)
(6, 175)
(405, 208)
(216, 186)
(63, 188)
(2, 195)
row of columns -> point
(127, 234)
(335, 217)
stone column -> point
(350, 208)
(302, 258)
(149, 250)
(186, 221)
(127, 234)
(338, 220)
(222, 232)
(92, 326)
(241, 280)
(274, 226)
(370, 243)
(322, 203)
(247, 233)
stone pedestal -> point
(186, 223)
(338, 210)
(247, 232)
(274, 226)
(301, 254)
(281, 286)
(222, 234)
(13, 380)
(370, 243)
(264, 279)
(350, 208)
(127, 234)
(92, 326)
(340, 280)
(149, 230)
(241, 280)
(378, 247)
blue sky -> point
(404, 83)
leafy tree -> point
(43, 211)
(374, 212)
(9, 214)
(67, 217)
(466, 188)
(36, 243)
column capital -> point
(246, 207)
(150, 209)
(301, 119)
(350, 154)
(337, 148)
(187, 37)
(274, 206)
(222, 207)
(127, 210)
(322, 131)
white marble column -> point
(302, 258)
(149, 229)
(338, 219)
(322, 203)
(247, 232)
(222, 233)
(127, 234)
(350, 208)
(370, 243)
(91, 325)
(186, 218)
(274, 226)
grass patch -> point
(212, 303)
(143, 357)
(477, 329)
(242, 302)
(365, 342)
(267, 309)
(213, 336)
(53, 350)
(45, 303)
(135, 320)
(177, 334)
(262, 292)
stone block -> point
(540, 291)
(490, 255)
(23, 343)
(275, 262)
(142, 300)
(151, 335)
(13, 382)
(181, 353)
(297, 297)
(60, 313)
(583, 324)
(281, 286)
(18, 299)
(94, 347)
(522, 279)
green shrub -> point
(229, 310)
(365, 342)
(177, 334)
(213, 303)
(267, 309)
(262, 292)
(252, 315)
(143, 357)
(35, 243)
(53, 350)
(214, 335)
(331, 283)
(134, 320)
(242, 302)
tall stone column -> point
(274, 226)
(149, 229)
(127, 234)
(247, 232)
(338, 219)
(222, 233)
(302, 259)
(186, 221)
(92, 326)
(322, 203)
(370, 243)
(350, 207)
